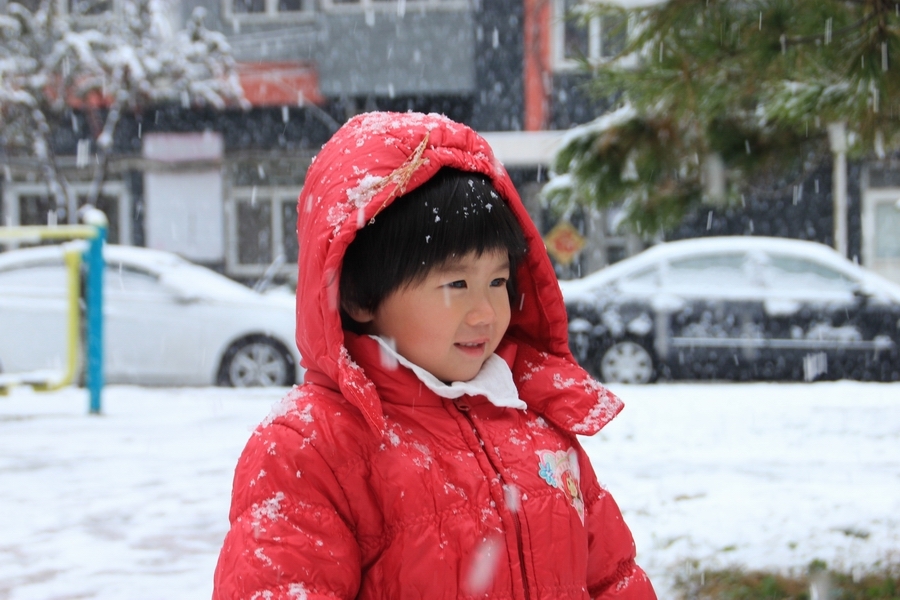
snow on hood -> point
(372, 160)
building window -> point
(31, 204)
(268, 9)
(578, 36)
(262, 227)
(881, 230)
(887, 230)
(399, 6)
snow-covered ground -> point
(133, 504)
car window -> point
(709, 271)
(122, 279)
(644, 280)
(783, 271)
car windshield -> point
(646, 279)
(708, 271)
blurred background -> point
(206, 114)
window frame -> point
(276, 196)
(872, 198)
(595, 39)
(270, 14)
(13, 191)
(398, 6)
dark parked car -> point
(739, 308)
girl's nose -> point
(482, 311)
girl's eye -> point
(499, 282)
(457, 285)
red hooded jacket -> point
(363, 483)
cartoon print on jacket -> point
(364, 483)
(560, 469)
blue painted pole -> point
(96, 267)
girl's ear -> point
(360, 315)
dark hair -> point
(452, 214)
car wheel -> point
(626, 361)
(256, 362)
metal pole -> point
(837, 137)
(95, 309)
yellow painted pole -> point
(73, 258)
(36, 233)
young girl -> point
(431, 452)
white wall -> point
(183, 208)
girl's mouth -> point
(471, 348)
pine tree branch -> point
(806, 39)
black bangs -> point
(453, 214)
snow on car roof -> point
(171, 268)
(743, 243)
(153, 261)
(178, 272)
(148, 257)
(34, 255)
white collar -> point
(494, 381)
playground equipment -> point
(94, 231)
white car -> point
(735, 308)
(166, 321)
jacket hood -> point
(371, 161)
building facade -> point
(219, 187)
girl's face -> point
(450, 322)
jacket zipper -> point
(463, 408)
